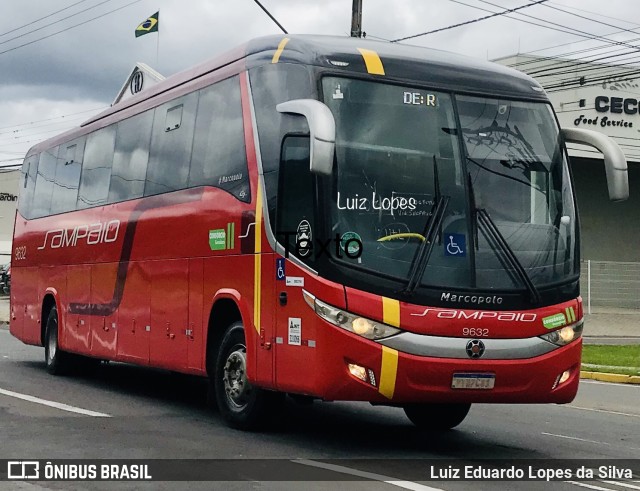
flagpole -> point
(158, 44)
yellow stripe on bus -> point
(373, 61)
(388, 372)
(276, 56)
(391, 311)
(257, 277)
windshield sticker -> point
(553, 321)
(419, 99)
(304, 238)
(455, 245)
(395, 235)
(337, 94)
(351, 244)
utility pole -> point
(356, 19)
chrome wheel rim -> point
(234, 376)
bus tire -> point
(57, 361)
(241, 405)
(436, 416)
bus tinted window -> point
(27, 185)
(96, 173)
(44, 183)
(171, 143)
(271, 85)
(219, 157)
(65, 189)
(295, 221)
(131, 157)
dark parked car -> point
(5, 279)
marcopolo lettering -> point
(474, 299)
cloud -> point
(85, 66)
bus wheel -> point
(55, 358)
(242, 406)
(436, 416)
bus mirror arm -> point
(323, 131)
(615, 162)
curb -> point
(610, 377)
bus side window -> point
(294, 216)
(96, 171)
(29, 173)
(67, 181)
(219, 157)
(270, 85)
(171, 142)
(131, 157)
(44, 183)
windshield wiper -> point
(488, 226)
(430, 233)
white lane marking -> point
(623, 484)
(414, 486)
(589, 486)
(57, 405)
(601, 411)
(576, 438)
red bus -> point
(329, 218)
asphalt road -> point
(153, 414)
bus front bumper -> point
(357, 369)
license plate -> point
(481, 381)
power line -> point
(496, 14)
(55, 117)
(69, 28)
(271, 16)
(595, 13)
(25, 131)
(587, 18)
(52, 23)
(42, 18)
(578, 31)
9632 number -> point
(475, 332)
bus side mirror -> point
(615, 162)
(323, 131)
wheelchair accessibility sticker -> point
(280, 273)
(455, 245)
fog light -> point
(564, 377)
(357, 371)
(561, 379)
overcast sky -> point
(59, 79)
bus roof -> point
(439, 70)
(406, 63)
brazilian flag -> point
(149, 25)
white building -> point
(603, 98)
(9, 182)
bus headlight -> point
(356, 324)
(564, 336)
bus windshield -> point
(478, 199)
